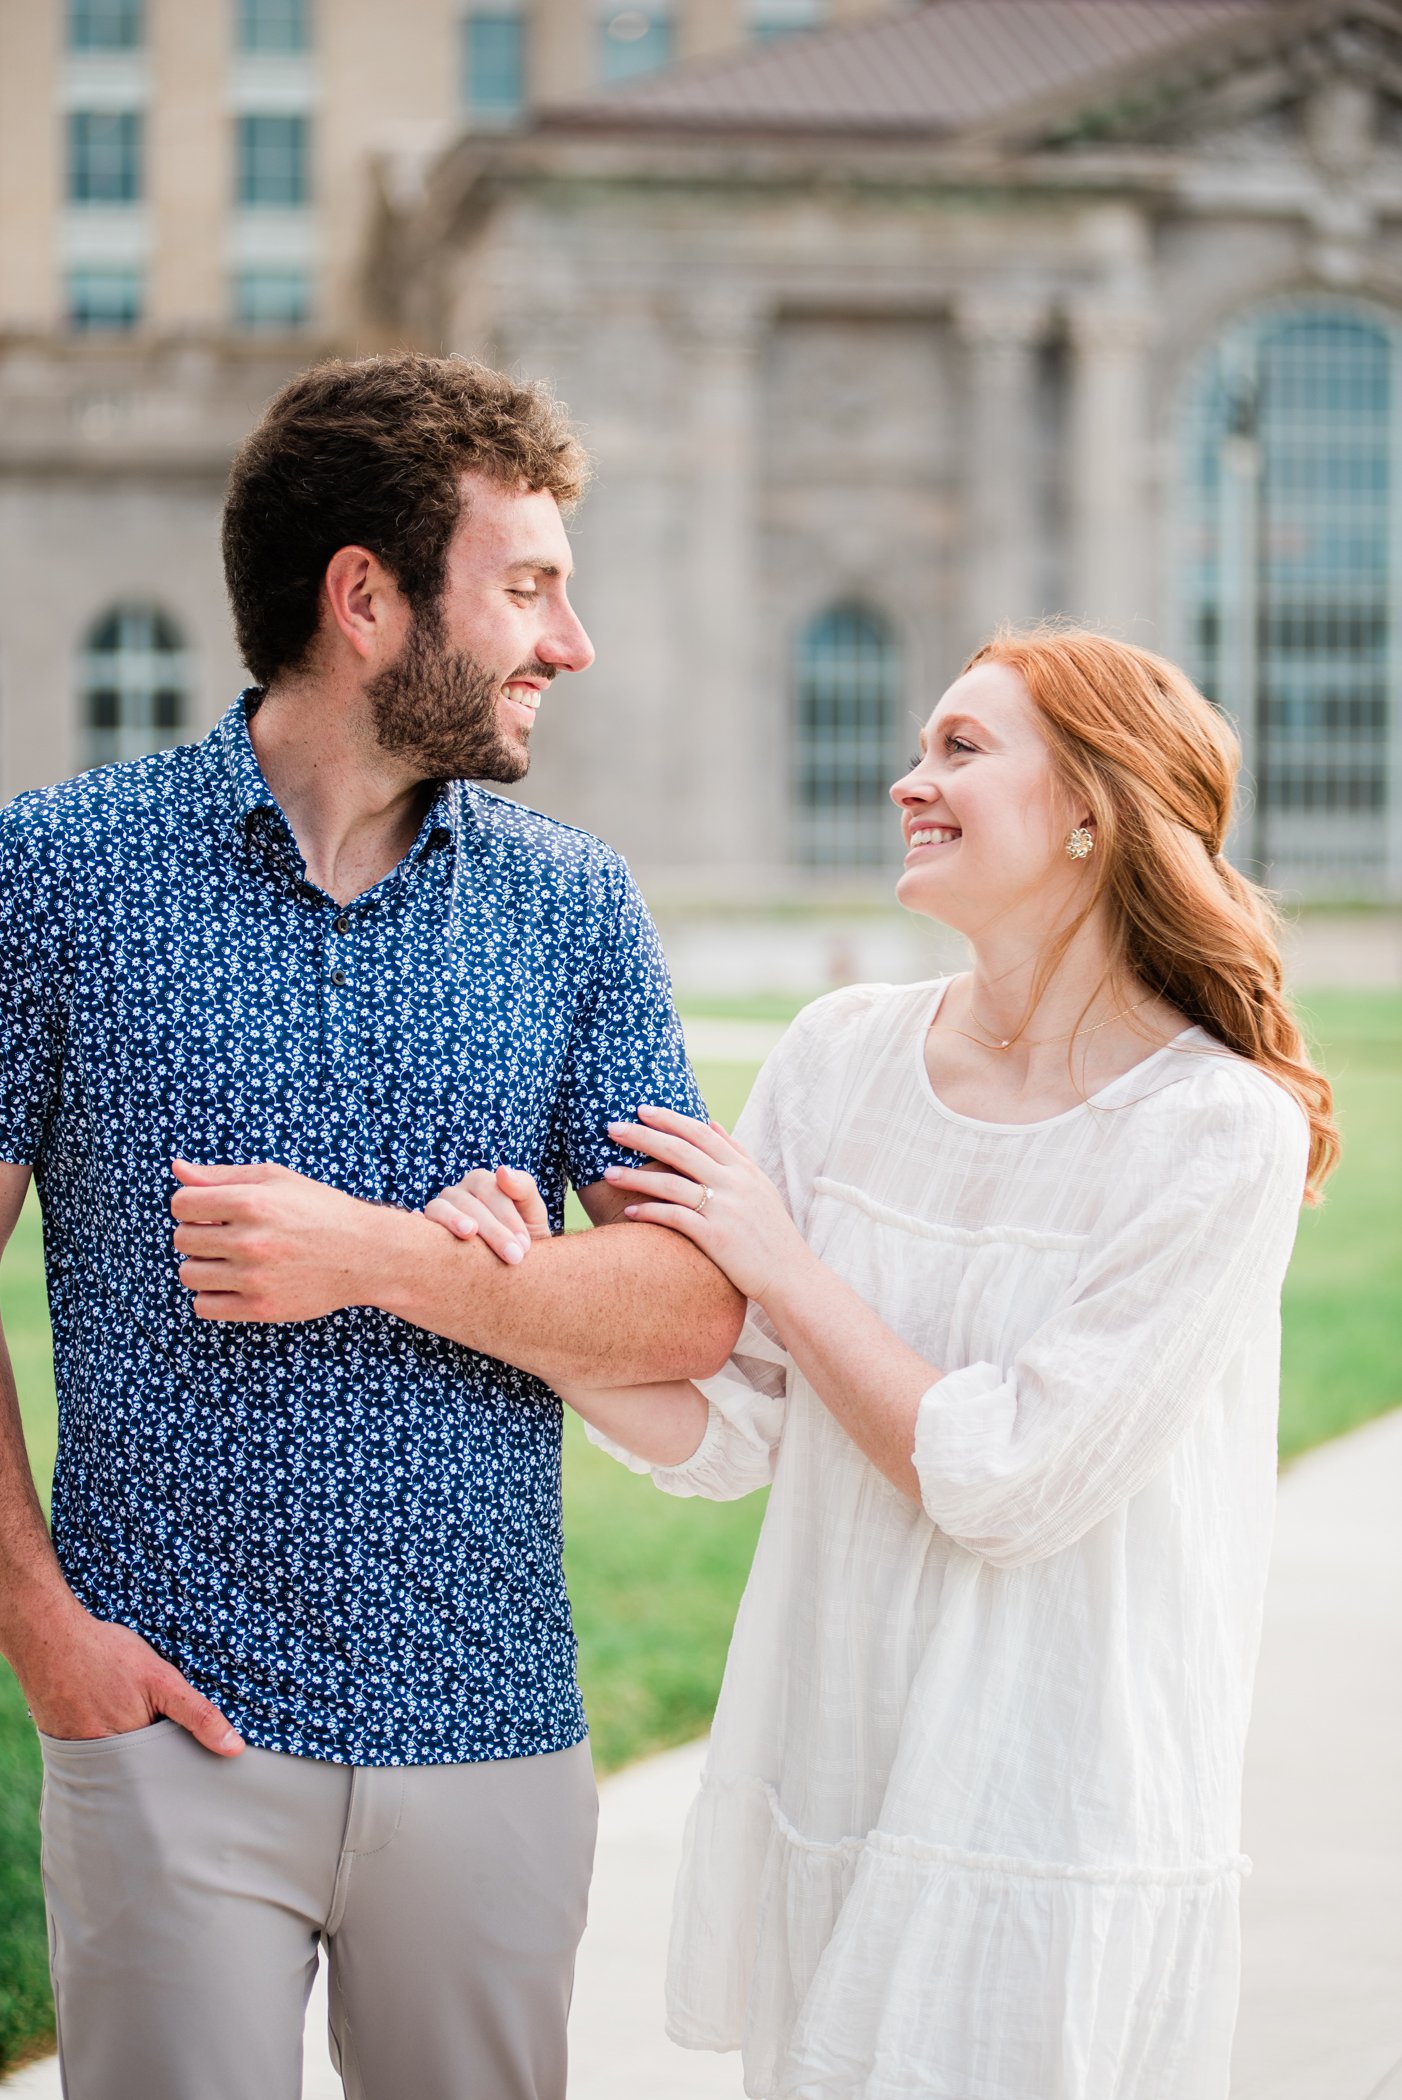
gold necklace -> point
(1040, 1042)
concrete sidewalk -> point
(1321, 2015)
(1322, 1998)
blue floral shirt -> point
(347, 1531)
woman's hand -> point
(714, 1195)
(503, 1208)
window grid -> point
(272, 162)
(104, 156)
(848, 739)
(104, 25)
(104, 298)
(268, 297)
(273, 25)
(493, 58)
(134, 685)
(1292, 516)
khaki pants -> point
(187, 1895)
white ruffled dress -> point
(970, 1820)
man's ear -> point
(364, 603)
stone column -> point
(729, 734)
(189, 165)
(705, 27)
(561, 52)
(1108, 466)
(1002, 459)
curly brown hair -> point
(369, 453)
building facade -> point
(880, 334)
(188, 192)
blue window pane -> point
(272, 161)
(272, 298)
(769, 19)
(493, 66)
(847, 739)
(1293, 517)
(273, 25)
(104, 156)
(633, 43)
(104, 25)
(103, 299)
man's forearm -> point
(32, 1588)
(621, 1305)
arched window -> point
(134, 685)
(847, 746)
(1293, 446)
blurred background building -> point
(884, 324)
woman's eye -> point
(957, 743)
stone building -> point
(880, 333)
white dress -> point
(970, 1820)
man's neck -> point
(353, 811)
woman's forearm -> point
(662, 1424)
(867, 1377)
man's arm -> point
(80, 1676)
(626, 1305)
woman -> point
(1014, 1243)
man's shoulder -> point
(94, 811)
(543, 843)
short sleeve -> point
(1018, 1460)
(626, 1047)
(30, 1023)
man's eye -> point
(520, 591)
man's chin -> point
(509, 762)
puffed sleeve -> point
(1018, 1460)
(783, 1127)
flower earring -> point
(1080, 843)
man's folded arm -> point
(628, 1304)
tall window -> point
(272, 161)
(848, 747)
(634, 41)
(1293, 511)
(104, 25)
(104, 156)
(493, 62)
(273, 25)
(134, 685)
(103, 298)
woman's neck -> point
(1003, 1050)
(1014, 1000)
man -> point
(300, 1653)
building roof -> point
(937, 69)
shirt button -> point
(338, 976)
(343, 924)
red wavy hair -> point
(1156, 765)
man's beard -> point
(438, 708)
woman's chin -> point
(930, 900)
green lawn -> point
(655, 1581)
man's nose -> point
(567, 646)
